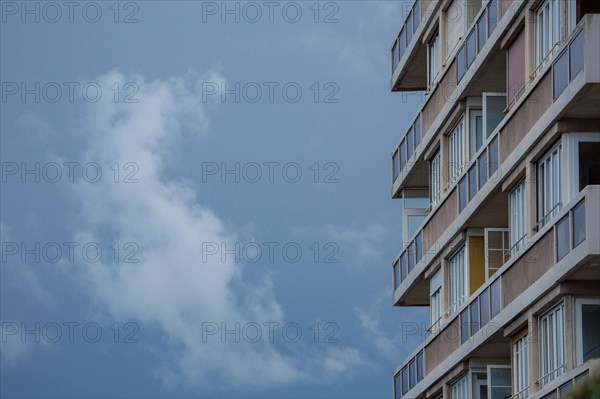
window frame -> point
(454, 287)
(547, 32)
(456, 150)
(435, 300)
(553, 369)
(489, 375)
(518, 216)
(544, 213)
(433, 58)
(521, 375)
(435, 179)
(578, 325)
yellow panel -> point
(476, 263)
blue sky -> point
(207, 175)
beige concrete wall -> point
(442, 219)
(525, 117)
(442, 346)
(528, 269)
(439, 97)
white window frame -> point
(579, 329)
(552, 354)
(472, 372)
(458, 280)
(436, 183)
(435, 301)
(504, 249)
(433, 58)
(521, 377)
(570, 156)
(518, 218)
(547, 31)
(463, 385)
(550, 199)
(489, 375)
(472, 136)
(456, 151)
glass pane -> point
(461, 63)
(462, 194)
(417, 129)
(483, 169)
(481, 32)
(409, 28)
(500, 382)
(395, 56)
(576, 55)
(495, 297)
(419, 247)
(402, 41)
(472, 182)
(415, 203)
(492, 12)
(562, 238)
(590, 331)
(414, 221)
(410, 146)
(411, 257)
(416, 15)
(493, 157)
(471, 48)
(494, 112)
(589, 163)
(464, 326)
(402, 154)
(412, 368)
(579, 224)
(420, 366)
(403, 265)
(484, 306)
(474, 311)
(396, 274)
(560, 74)
(397, 386)
(395, 165)
(404, 380)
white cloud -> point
(171, 288)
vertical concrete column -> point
(531, 197)
(529, 45)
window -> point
(435, 179)
(417, 129)
(563, 240)
(547, 31)
(433, 58)
(460, 389)
(549, 185)
(475, 131)
(499, 384)
(404, 380)
(496, 298)
(521, 368)
(518, 212)
(479, 382)
(462, 194)
(435, 300)
(398, 386)
(471, 48)
(481, 32)
(579, 224)
(474, 314)
(588, 329)
(496, 249)
(402, 154)
(410, 143)
(493, 111)
(484, 306)
(402, 41)
(403, 266)
(394, 56)
(397, 280)
(456, 151)
(472, 182)
(458, 280)
(492, 13)
(552, 354)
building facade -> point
(499, 176)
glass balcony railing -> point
(406, 34)
(568, 64)
(407, 147)
(409, 376)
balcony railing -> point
(411, 256)
(407, 147)
(410, 375)
(568, 64)
(404, 38)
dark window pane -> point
(589, 163)
(404, 380)
(462, 194)
(409, 29)
(412, 372)
(402, 41)
(410, 146)
(492, 13)
(481, 32)
(461, 63)
(411, 256)
(493, 155)
(403, 266)
(394, 56)
(560, 74)
(402, 154)
(495, 297)
(396, 274)
(483, 169)
(471, 48)
(484, 306)
(562, 238)
(417, 129)
(576, 55)
(416, 15)
(419, 247)
(420, 366)
(590, 331)
(472, 182)
(464, 326)
(579, 224)
(396, 165)
(565, 389)
(397, 386)
(474, 310)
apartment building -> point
(499, 176)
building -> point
(499, 177)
